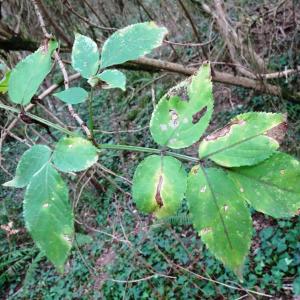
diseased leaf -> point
(48, 215)
(29, 73)
(73, 154)
(85, 56)
(4, 82)
(246, 140)
(30, 163)
(114, 79)
(73, 95)
(271, 187)
(183, 114)
(220, 216)
(131, 42)
(159, 184)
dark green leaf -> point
(271, 187)
(48, 215)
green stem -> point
(106, 146)
(91, 112)
(37, 118)
(147, 150)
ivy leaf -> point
(73, 154)
(131, 42)
(29, 73)
(30, 163)
(114, 79)
(183, 114)
(48, 215)
(159, 184)
(4, 82)
(271, 187)
(220, 216)
(73, 95)
(85, 56)
(246, 140)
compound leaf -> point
(271, 187)
(246, 140)
(73, 95)
(220, 216)
(30, 163)
(131, 42)
(29, 73)
(183, 114)
(48, 215)
(4, 82)
(85, 56)
(73, 154)
(159, 184)
(114, 79)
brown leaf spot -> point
(158, 197)
(225, 130)
(174, 122)
(205, 230)
(198, 115)
(195, 170)
(278, 132)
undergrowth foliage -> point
(249, 170)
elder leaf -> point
(159, 184)
(73, 95)
(246, 140)
(131, 42)
(182, 115)
(30, 163)
(271, 187)
(74, 154)
(220, 216)
(48, 215)
(29, 73)
(85, 56)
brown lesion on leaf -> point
(205, 230)
(225, 130)
(198, 115)
(158, 197)
(180, 90)
(174, 118)
(278, 132)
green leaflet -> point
(48, 215)
(114, 79)
(183, 114)
(73, 95)
(271, 187)
(131, 42)
(29, 73)
(30, 163)
(159, 184)
(4, 82)
(85, 56)
(73, 154)
(246, 140)
(220, 216)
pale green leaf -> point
(114, 79)
(73, 154)
(29, 73)
(30, 163)
(4, 82)
(183, 114)
(85, 56)
(220, 216)
(159, 184)
(48, 215)
(246, 140)
(131, 42)
(271, 187)
(73, 95)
